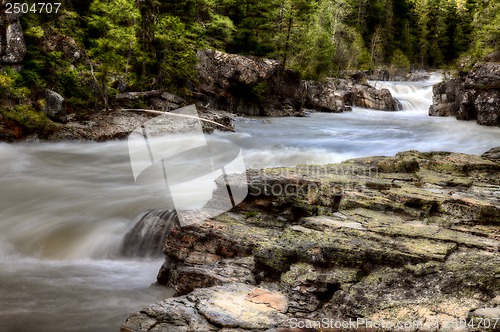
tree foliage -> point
(152, 44)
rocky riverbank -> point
(257, 86)
(227, 84)
(413, 238)
(474, 95)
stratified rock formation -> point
(412, 238)
(473, 96)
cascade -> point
(148, 236)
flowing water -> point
(66, 208)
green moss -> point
(35, 32)
(29, 118)
(275, 256)
(260, 91)
(250, 214)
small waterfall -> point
(148, 236)
(413, 96)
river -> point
(65, 207)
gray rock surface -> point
(256, 86)
(415, 237)
(473, 96)
(445, 101)
(492, 154)
(234, 306)
(12, 45)
(104, 126)
(368, 97)
(54, 105)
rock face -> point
(445, 101)
(155, 99)
(331, 96)
(473, 96)
(12, 45)
(256, 86)
(368, 97)
(395, 75)
(230, 81)
(411, 238)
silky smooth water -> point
(65, 207)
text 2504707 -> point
(36, 8)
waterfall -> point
(413, 96)
(148, 236)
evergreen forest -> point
(138, 45)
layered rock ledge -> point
(413, 238)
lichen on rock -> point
(415, 237)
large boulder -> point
(367, 96)
(221, 70)
(473, 96)
(234, 307)
(54, 105)
(487, 104)
(445, 100)
(330, 96)
(231, 82)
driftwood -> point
(178, 115)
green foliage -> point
(152, 44)
(35, 32)
(12, 87)
(29, 118)
(220, 31)
(260, 91)
(115, 26)
(400, 61)
(251, 214)
(6, 84)
(176, 52)
(487, 28)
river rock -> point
(487, 104)
(445, 100)
(484, 319)
(473, 96)
(53, 106)
(414, 237)
(227, 80)
(367, 96)
(492, 154)
(330, 96)
(234, 307)
(110, 125)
